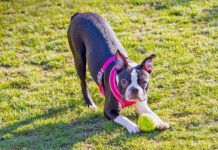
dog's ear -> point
(120, 61)
(147, 63)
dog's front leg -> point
(125, 122)
(142, 107)
(121, 120)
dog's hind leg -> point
(79, 54)
(80, 64)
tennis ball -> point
(145, 123)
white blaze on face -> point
(134, 78)
(134, 84)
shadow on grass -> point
(50, 113)
(211, 14)
(126, 137)
(61, 134)
(51, 135)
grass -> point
(41, 106)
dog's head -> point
(133, 80)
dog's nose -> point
(134, 90)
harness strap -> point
(101, 72)
(116, 92)
(112, 82)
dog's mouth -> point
(135, 98)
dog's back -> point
(90, 35)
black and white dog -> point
(122, 81)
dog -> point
(122, 81)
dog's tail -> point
(74, 15)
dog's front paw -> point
(163, 126)
(132, 128)
(92, 106)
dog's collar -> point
(112, 81)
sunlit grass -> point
(41, 105)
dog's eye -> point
(124, 82)
(142, 82)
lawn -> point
(41, 105)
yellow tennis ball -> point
(145, 123)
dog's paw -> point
(163, 126)
(92, 106)
(133, 128)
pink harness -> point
(112, 82)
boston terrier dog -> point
(122, 81)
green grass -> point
(41, 105)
